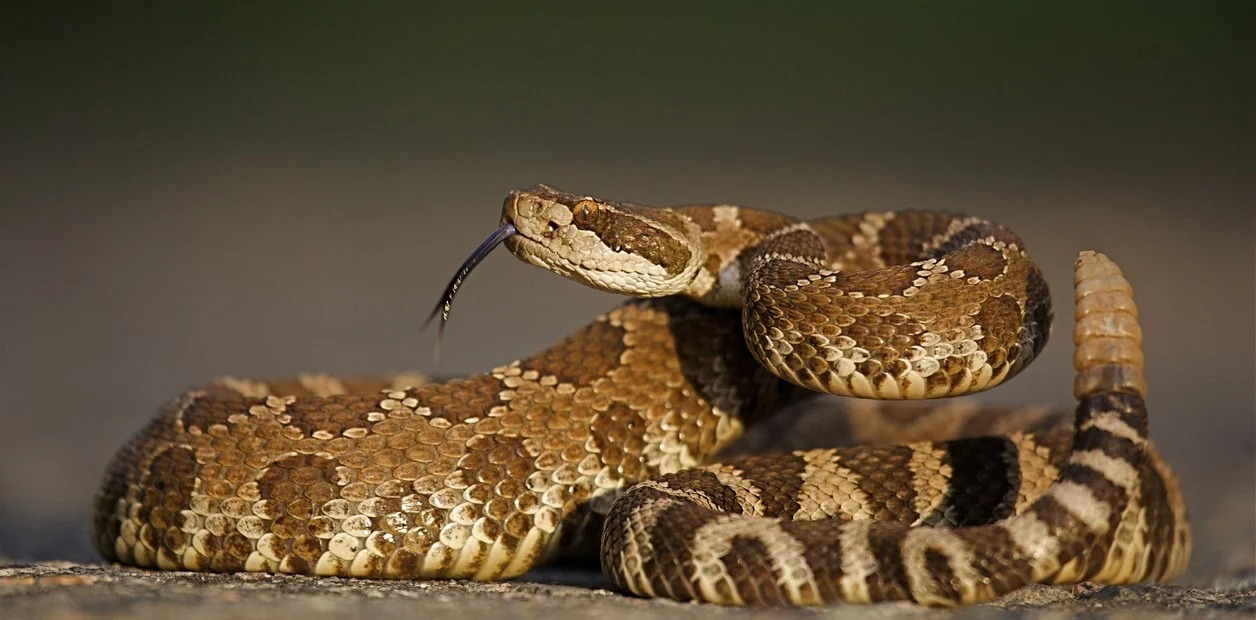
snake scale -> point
(616, 427)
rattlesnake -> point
(485, 477)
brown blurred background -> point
(191, 190)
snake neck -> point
(731, 237)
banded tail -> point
(1114, 514)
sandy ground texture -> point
(66, 590)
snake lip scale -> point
(611, 437)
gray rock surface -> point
(63, 590)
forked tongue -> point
(446, 302)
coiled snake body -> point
(487, 476)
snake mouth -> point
(536, 252)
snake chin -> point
(613, 272)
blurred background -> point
(189, 190)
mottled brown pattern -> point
(719, 495)
(823, 555)
(290, 478)
(763, 222)
(939, 569)
(1004, 571)
(965, 232)
(487, 476)
(671, 545)
(777, 477)
(747, 562)
(716, 363)
(589, 354)
(619, 435)
(878, 472)
(895, 330)
(198, 411)
(1112, 497)
(473, 477)
(702, 215)
(332, 415)
(800, 245)
(892, 280)
(624, 229)
(1036, 317)
(980, 261)
(1000, 321)
(840, 235)
(905, 234)
(1166, 521)
(886, 543)
(459, 399)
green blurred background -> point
(191, 189)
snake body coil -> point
(485, 477)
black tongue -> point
(446, 302)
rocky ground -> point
(79, 591)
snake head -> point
(611, 246)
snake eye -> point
(584, 210)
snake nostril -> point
(553, 226)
